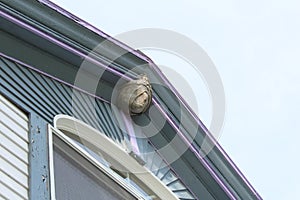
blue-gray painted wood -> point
(39, 187)
(44, 98)
(68, 30)
(48, 98)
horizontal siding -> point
(13, 112)
(7, 155)
(19, 138)
(13, 151)
(8, 193)
(8, 144)
(47, 98)
(12, 183)
(11, 124)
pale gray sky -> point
(255, 46)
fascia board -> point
(78, 37)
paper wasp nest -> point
(135, 96)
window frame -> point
(67, 123)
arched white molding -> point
(117, 155)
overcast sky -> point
(255, 46)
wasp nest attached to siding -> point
(135, 96)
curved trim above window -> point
(117, 155)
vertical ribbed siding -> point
(13, 151)
(47, 98)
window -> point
(89, 166)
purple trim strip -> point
(193, 149)
(83, 91)
(93, 28)
(52, 77)
(59, 43)
(165, 161)
(130, 130)
(75, 51)
(207, 132)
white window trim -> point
(109, 147)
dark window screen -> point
(78, 179)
